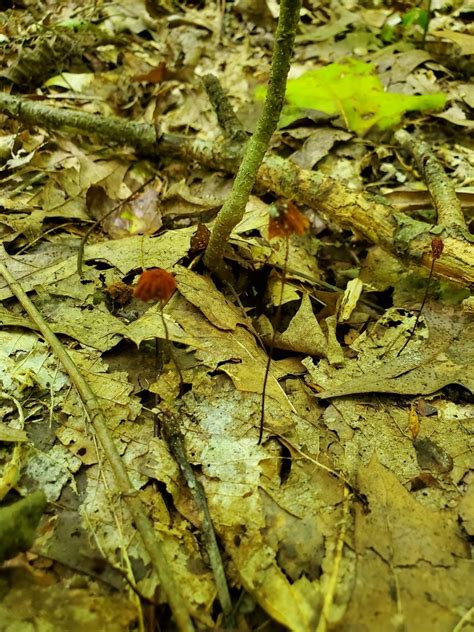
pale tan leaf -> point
(203, 294)
(304, 333)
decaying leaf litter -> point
(357, 508)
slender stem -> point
(234, 207)
(427, 24)
(332, 583)
(276, 322)
(418, 316)
(171, 350)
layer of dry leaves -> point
(356, 512)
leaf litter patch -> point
(356, 497)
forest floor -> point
(356, 510)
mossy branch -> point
(234, 207)
(228, 121)
(376, 220)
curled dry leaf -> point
(200, 239)
(288, 220)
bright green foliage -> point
(411, 26)
(353, 90)
(416, 17)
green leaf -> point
(416, 16)
(353, 90)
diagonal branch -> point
(142, 522)
(233, 208)
(442, 192)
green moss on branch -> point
(234, 207)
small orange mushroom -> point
(155, 284)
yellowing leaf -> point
(353, 91)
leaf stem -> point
(276, 322)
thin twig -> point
(307, 457)
(276, 322)
(466, 618)
(440, 187)
(330, 592)
(129, 493)
(427, 23)
(170, 349)
(176, 443)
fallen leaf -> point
(203, 294)
(304, 333)
(443, 360)
(353, 90)
(465, 41)
(401, 530)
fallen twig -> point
(226, 117)
(175, 441)
(380, 223)
(442, 192)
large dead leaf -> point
(33, 597)
(264, 521)
(236, 353)
(419, 370)
(401, 530)
(404, 552)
